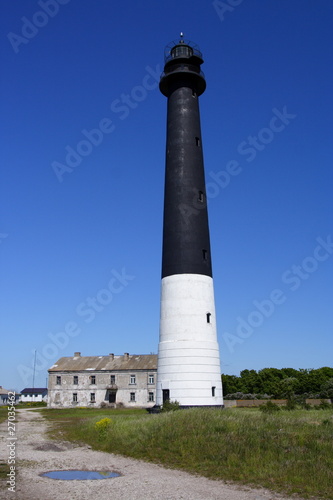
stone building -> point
(92, 381)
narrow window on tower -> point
(213, 391)
(208, 317)
(204, 254)
(201, 196)
(197, 141)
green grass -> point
(4, 470)
(3, 413)
(290, 452)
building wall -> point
(61, 395)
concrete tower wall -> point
(188, 356)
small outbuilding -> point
(34, 395)
(4, 396)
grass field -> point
(3, 413)
(290, 451)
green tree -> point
(231, 384)
(250, 381)
(287, 388)
(326, 390)
(269, 379)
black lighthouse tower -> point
(188, 357)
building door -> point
(112, 397)
(166, 395)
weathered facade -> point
(92, 381)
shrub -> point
(291, 403)
(324, 405)
(269, 407)
(170, 405)
(102, 426)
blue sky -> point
(83, 147)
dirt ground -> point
(139, 480)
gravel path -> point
(138, 481)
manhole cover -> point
(70, 475)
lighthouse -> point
(188, 369)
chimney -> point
(77, 354)
(126, 356)
(111, 355)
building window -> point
(74, 397)
(213, 391)
(201, 196)
(93, 379)
(132, 379)
(208, 317)
(197, 141)
(151, 379)
(58, 380)
(113, 379)
(75, 380)
(132, 396)
(204, 254)
(150, 396)
(92, 397)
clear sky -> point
(82, 174)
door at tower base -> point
(188, 356)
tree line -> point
(279, 383)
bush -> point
(269, 407)
(291, 404)
(102, 426)
(170, 405)
(324, 405)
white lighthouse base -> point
(188, 369)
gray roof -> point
(34, 390)
(110, 363)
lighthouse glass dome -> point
(181, 48)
